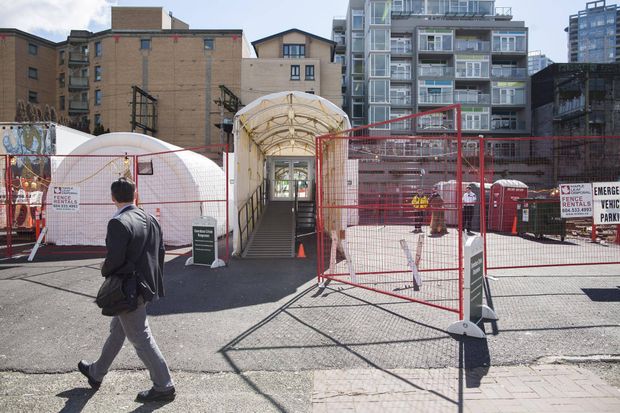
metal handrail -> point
(253, 209)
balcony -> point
(471, 97)
(78, 107)
(507, 125)
(78, 59)
(461, 45)
(400, 100)
(78, 83)
(472, 73)
(400, 75)
(435, 124)
(401, 49)
(570, 106)
(435, 98)
(509, 72)
(436, 71)
(508, 97)
(505, 12)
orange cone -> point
(301, 253)
(514, 226)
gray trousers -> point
(135, 327)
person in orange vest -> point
(419, 203)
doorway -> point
(291, 178)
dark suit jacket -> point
(124, 241)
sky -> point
(53, 19)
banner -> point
(66, 198)
(576, 200)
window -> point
(61, 57)
(357, 42)
(378, 91)
(61, 80)
(98, 49)
(358, 108)
(97, 97)
(33, 49)
(379, 40)
(33, 73)
(358, 19)
(295, 72)
(379, 64)
(400, 70)
(436, 40)
(97, 73)
(380, 12)
(61, 103)
(209, 44)
(294, 51)
(358, 88)
(379, 114)
(309, 72)
(33, 97)
(97, 119)
(145, 44)
(358, 66)
(400, 95)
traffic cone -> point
(301, 253)
(514, 226)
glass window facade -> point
(378, 90)
(379, 64)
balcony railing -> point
(400, 75)
(435, 98)
(472, 45)
(509, 72)
(436, 71)
(400, 100)
(78, 82)
(401, 49)
(78, 58)
(463, 73)
(507, 125)
(435, 124)
(572, 105)
(78, 106)
(503, 11)
(471, 97)
(506, 99)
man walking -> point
(419, 203)
(134, 245)
(469, 201)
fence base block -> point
(466, 328)
(488, 313)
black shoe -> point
(153, 395)
(84, 368)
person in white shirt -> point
(469, 201)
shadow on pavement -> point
(77, 398)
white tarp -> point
(177, 177)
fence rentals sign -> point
(66, 198)
(576, 200)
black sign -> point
(203, 244)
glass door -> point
(289, 176)
(281, 180)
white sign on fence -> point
(606, 202)
(66, 198)
(576, 200)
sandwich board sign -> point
(204, 243)
(473, 291)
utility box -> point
(540, 217)
(503, 199)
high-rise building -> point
(149, 72)
(537, 61)
(409, 56)
(592, 34)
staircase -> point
(275, 235)
(306, 220)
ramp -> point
(275, 235)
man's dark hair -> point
(123, 190)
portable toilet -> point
(503, 199)
(448, 192)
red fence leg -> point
(618, 234)
(593, 236)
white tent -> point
(279, 124)
(177, 191)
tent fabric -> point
(278, 124)
(179, 179)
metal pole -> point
(483, 209)
(459, 202)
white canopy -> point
(279, 124)
(179, 179)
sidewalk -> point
(537, 388)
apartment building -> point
(537, 61)
(292, 60)
(593, 34)
(149, 73)
(409, 56)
